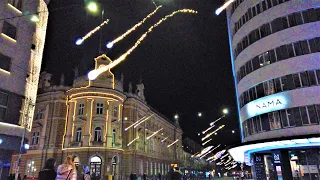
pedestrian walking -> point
(159, 176)
(144, 176)
(67, 170)
(48, 172)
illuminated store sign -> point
(265, 105)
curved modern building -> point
(275, 50)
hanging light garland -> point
(92, 75)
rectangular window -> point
(312, 14)
(312, 78)
(274, 2)
(297, 116)
(292, 20)
(269, 4)
(272, 55)
(318, 112)
(265, 122)
(274, 120)
(291, 118)
(3, 105)
(276, 25)
(304, 115)
(99, 108)
(255, 63)
(9, 30)
(254, 12)
(304, 79)
(285, 23)
(298, 48)
(81, 109)
(305, 47)
(277, 85)
(297, 83)
(248, 67)
(260, 90)
(312, 115)
(5, 62)
(264, 6)
(298, 18)
(250, 13)
(290, 50)
(35, 138)
(258, 123)
(284, 119)
(258, 9)
(284, 83)
(115, 111)
(282, 53)
(315, 45)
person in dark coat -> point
(48, 172)
(144, 177)
(159, 176)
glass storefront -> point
(305, 164)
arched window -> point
(114, 137)
(97, 134)
(78, 135)
(95, 166)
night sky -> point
(184, 63)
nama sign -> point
(265, 105)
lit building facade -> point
(21, 49)
(111, 131)
(275, 50)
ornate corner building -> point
(111, 131)
(275, 50)
(21, 49)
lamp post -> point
(25, 124)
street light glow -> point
(233, 131)
(176, 116)
(109, 45)
(199, 114)
(92, 7)
(34, 18)
(225, 111)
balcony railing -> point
(75, 144)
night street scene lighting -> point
(160, 89)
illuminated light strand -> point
(132, 141)
(206, 142)
(208, 135)
(92, 75)
(209, 151)
(154, 133)
(143, 120)
(224, 156)
(212, 123)
(220, 9)
(89, 34)
(173, 143)
(203, 132)
(154, 3)
(204, 151)
(164, 139)
(112, 43)
(134, 123)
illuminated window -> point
(5, 62)
(39, 114)
(16, 3)
(115, 111)
(78, 135)
(97, 134)
(35, 138)
(114, 137)
(99, 108)
(9, 30)
(3, 105)
(81, 109)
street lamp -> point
(233, 131)
(225, 111)
(176, 116)
(199, 114)
(92, 7)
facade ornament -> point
(76, 72)
(130, 87)
(62, 80)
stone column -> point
(44, 128)
(109, 128)
(70, 120)
(87, 131)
